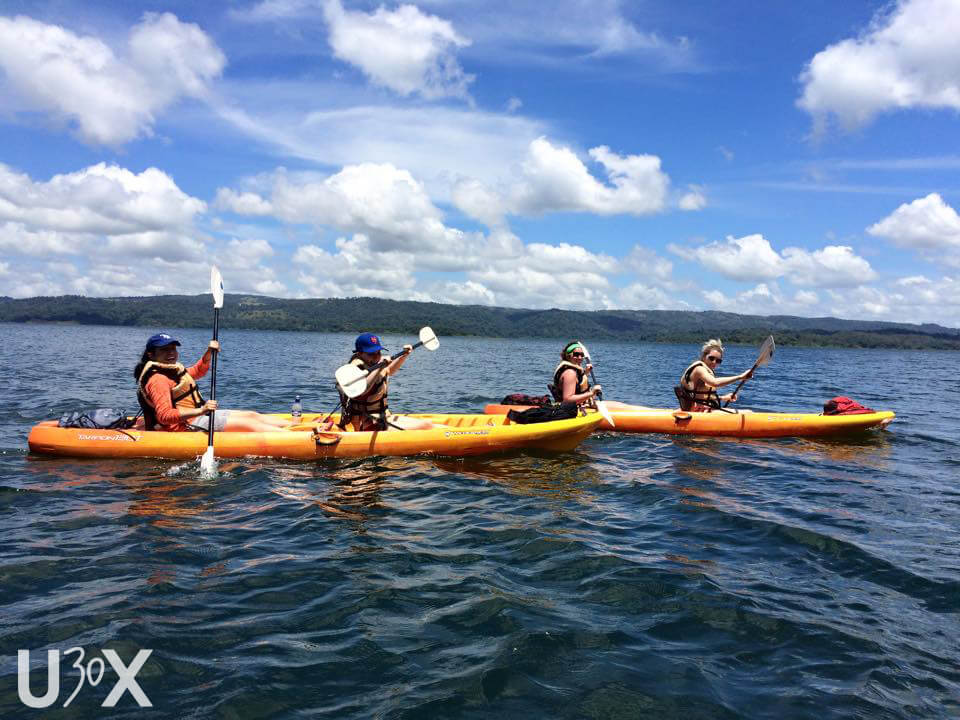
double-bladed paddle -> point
(352, 379)
(208, 464)
(601, 405)
(766, 354)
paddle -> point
(351, 378)
(766, 354)
(208, 465)
(601, 405)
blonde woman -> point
(697, 390)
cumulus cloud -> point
(832, 266)
(752, 258)
(927, 223)
(384, 203)
(693, 200)
(99, 199)
(555, 179)
(746, 258)
(405, 49)
(108, 99)
(908, 57)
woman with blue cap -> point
(170, 399)
(368, 411)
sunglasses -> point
(576, 354)
(714, 358)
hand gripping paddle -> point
(766, 355)
(352, 379)
(601, 405)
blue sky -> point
(782, 158)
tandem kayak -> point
(732, 424)
(458, 435)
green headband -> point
(572, 346)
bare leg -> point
(250, 421)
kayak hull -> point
(730, 424)
(462, 435)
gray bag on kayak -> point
(99, 419)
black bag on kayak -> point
(99, 419)
(563, 411)
(521, 399)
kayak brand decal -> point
(123, 437)
(458, 433)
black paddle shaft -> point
(213, 374)
(384, 363)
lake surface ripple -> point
(641, 576)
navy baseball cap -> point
(368, 343)
(160, 340)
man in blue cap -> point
(369, 411)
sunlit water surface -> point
(641, 576)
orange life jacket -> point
(184, 393)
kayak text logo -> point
(91, 673)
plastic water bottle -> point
(296, 410)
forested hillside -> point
(356, 314)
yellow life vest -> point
(184, 393)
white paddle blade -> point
(216, 287)
(429, 339)
(351, 379)
(586, 353)
(208, 463)
(605, 413)
(766, 351)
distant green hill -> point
(356, 314)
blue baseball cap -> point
(160, 340)
(368, 343)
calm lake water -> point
(641, 576)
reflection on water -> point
(664, 576)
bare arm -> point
(568, 388)
(700, 374)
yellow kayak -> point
(453, 435)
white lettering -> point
(127, 679)
(23, 679)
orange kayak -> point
(732, 424)
(456, 435)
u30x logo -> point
(90, 673)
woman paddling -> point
(570, 383)
(369, 411)
(697, 390)
(170, 400)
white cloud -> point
(832, 266)
(746, 258)
(465, 293)
(641, 296)
(109, 99)
(356, 269)
(926, 223)
(908, 57)
(554, 179)
(693, 200)
(99, 199)
(385, 204)
(648, 264)
(403, 49)
(752, 258)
